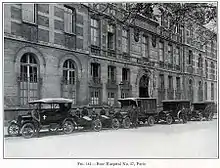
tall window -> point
(213, 70)
(69, 72)
(95, 68)
(69, 19)
(200, 61)
(206, 91)
(177, 56)
(170, 54)
(111, 73)
(29, 12)
(190, 90)
(94, 32)
(212, 91)
(69, 78)
(111, 98)
(28, 78)
(177, 83)
(206, 68)
(200, 91)
(95, 97)
(190, 57)
(125, 74)
(145, 46)
(111, 37)
(161, 78)
(161, 51)
(170, 82)
(124, 41)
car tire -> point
(210, 116)
(97, 125)
(115, 124)
(150, 121)
(68, 127)
(28, 130)
(13, 129)
(126, 122)
(169, 120)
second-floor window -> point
(95, 32)
(145, 46)
(170, 82)
(125, 74)
(124, 41)
(95, 70)
(161, 51)
(200, 61)
(177, 56)
(111, 73)
(190, 57)
(178, 83)
(111, 37)
(69, 19)
(170, 54)
(161, 78)
(29, 12)
(212, 91)
(69, 72)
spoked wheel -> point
(68, 127)
(115, 124)
(28, 130)
(97, 125)
(150, 121)
(126, 122)
(13, 129)
(169, 119)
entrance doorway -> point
(143, 86)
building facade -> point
(73, 51)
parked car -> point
(108, 118)
(50, 113)
(200, 110)
(174, 110)
(87, 120)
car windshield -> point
(127, 104)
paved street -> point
(194, 139)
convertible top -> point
(204, 102)
(51, 101)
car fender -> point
(13, 122)
(70, 119)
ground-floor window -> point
(125, 93)
(111, 98)
(95, 96)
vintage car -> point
(108, 118)
(146, 108)
(200, 110)
(86, 119)
(174, 109)
(50, 113)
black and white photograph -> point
(110, 80)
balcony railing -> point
(112, 84)
(95, 50)
(178, 93)
(125, 56)
(111, 53)
(125, 84)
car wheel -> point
(68, 127)
(115, 124)
(126, 122)
(28, 130)
(13, 129)
(150, 121)
(210, 116)
(97, 125)
(169, 119)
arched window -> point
(69, 80)
(69, 72)
(28, 85)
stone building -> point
(56, 50)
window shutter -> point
(28, 13)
